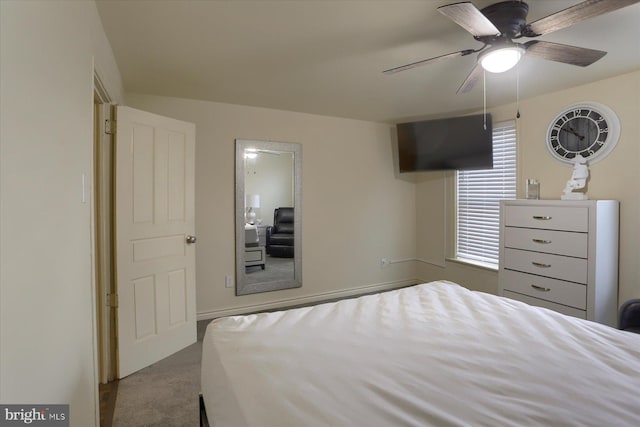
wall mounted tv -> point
(452, 143)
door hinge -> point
(109, 126)
(112, 300)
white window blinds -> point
(478, 198)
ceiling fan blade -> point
(471, 80)
(470, 18)
(573, 55)
(428, 61)
(573, 15)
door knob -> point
(191, 239)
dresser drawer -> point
(569, 311)
(254, 254)
(548, 217)
(558, 291)
(555, 266)
(549, 241)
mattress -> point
(432, 354)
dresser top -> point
(554, 202)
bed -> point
(432, 354)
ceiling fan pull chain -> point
(484, 97)
(517, 91)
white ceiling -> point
(326, 57)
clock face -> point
(590, 130)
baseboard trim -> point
(310, 299)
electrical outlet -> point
(228, 281)
(384, 263)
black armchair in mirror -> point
(279, 236)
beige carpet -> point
(165, 393)
(275, 269)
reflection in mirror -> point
(268, 216)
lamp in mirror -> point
(252, 203)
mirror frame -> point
(242, 287)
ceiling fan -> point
(497, 25)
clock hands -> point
(569, 129)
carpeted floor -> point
(275, 269)
(165, 393)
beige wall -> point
(615, 177)
(46, 144)
(354, 210)
(347, 166)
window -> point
(478, 199)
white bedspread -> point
(433, 354)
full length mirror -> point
(268, 216)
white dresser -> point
(561, 255)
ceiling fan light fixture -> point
(500, 59)
(250, 153)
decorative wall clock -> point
(589, 129)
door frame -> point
(102, 221)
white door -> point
(154, 216)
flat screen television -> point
(453, 143)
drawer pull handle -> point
(544, 242)
(540, 288)
(542, 218)
(541, 265)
